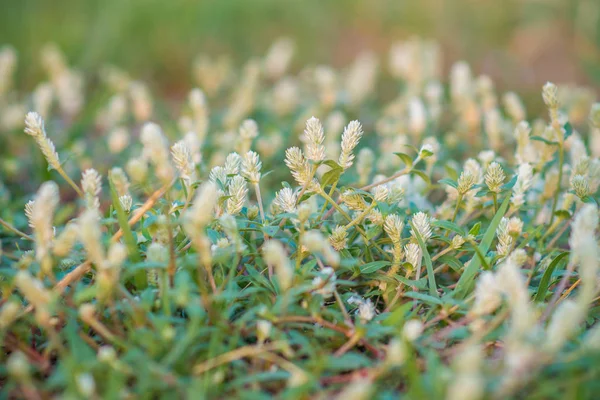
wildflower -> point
(263, 330)
(524, 182)
(286, 200)
(353, 200)
(118, 140)
(251, 167)
(350, 138)
(457, 242)
(34, 126)
(201, 211)
(314, 137)
(137, 169)
(366, 309)
(232, 163)
(465, 182)
(550, 95)
(126, 202)
(120, 181)
(238, 191)
(487, 295)
(580, 186)
(494, 177)
(338, 238)
(90, 235)
(514, 106)
(65, 241)
(412, 329)
(275, 256)
(421, 223)
(393, 227)
(156, 150)
(91, 182)
(298, 165)
(182, 158)
(413, 255)
(316, 243)
(41, 217)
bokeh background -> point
(520, 43)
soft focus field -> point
(345, 199)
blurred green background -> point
(520, 43)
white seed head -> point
(275, 255)
(494, 177)
(350, 138)
(120, 181)
(314, 137)
(232, 163)
(251, 166)
(393, 227)
(182, 158)
(413, 254)
(238, 190)
(286, 200)
(412, 330)
(550, 95)
(249, 129)
(339, 238)
(422, 223)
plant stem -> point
(495, 197)
(458, 200)
(561, 159)
(259, 199)
(70, 181)
(15, 230)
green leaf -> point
(475, 229)
(428, 264)
(449, 182)
(424, 297)
(373, 266)
(422, 175)
(568, 130)
(331, 176)
(406, 159)
(545, 282)
(449, 226)
(541, 139)
(466, 279)
(509, 185)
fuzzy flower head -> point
(393, 227)
(413, 254)
(494, 177)
(465, 182)
(251, 166)
(276, 256)
(248, 129)
(286, 200)
(238, 191)
(580, 186)
(350, 138)
(550, 95)
(421, 223)
(314, 137)
(91, 182)
(183, 160)
(233, 163)
(34, 126)
(339, 238)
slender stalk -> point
(15, 230)
(259, 200)
(458, 200)
(70, 181)
(561, 160)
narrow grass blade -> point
(428, 264)
(466, 279)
